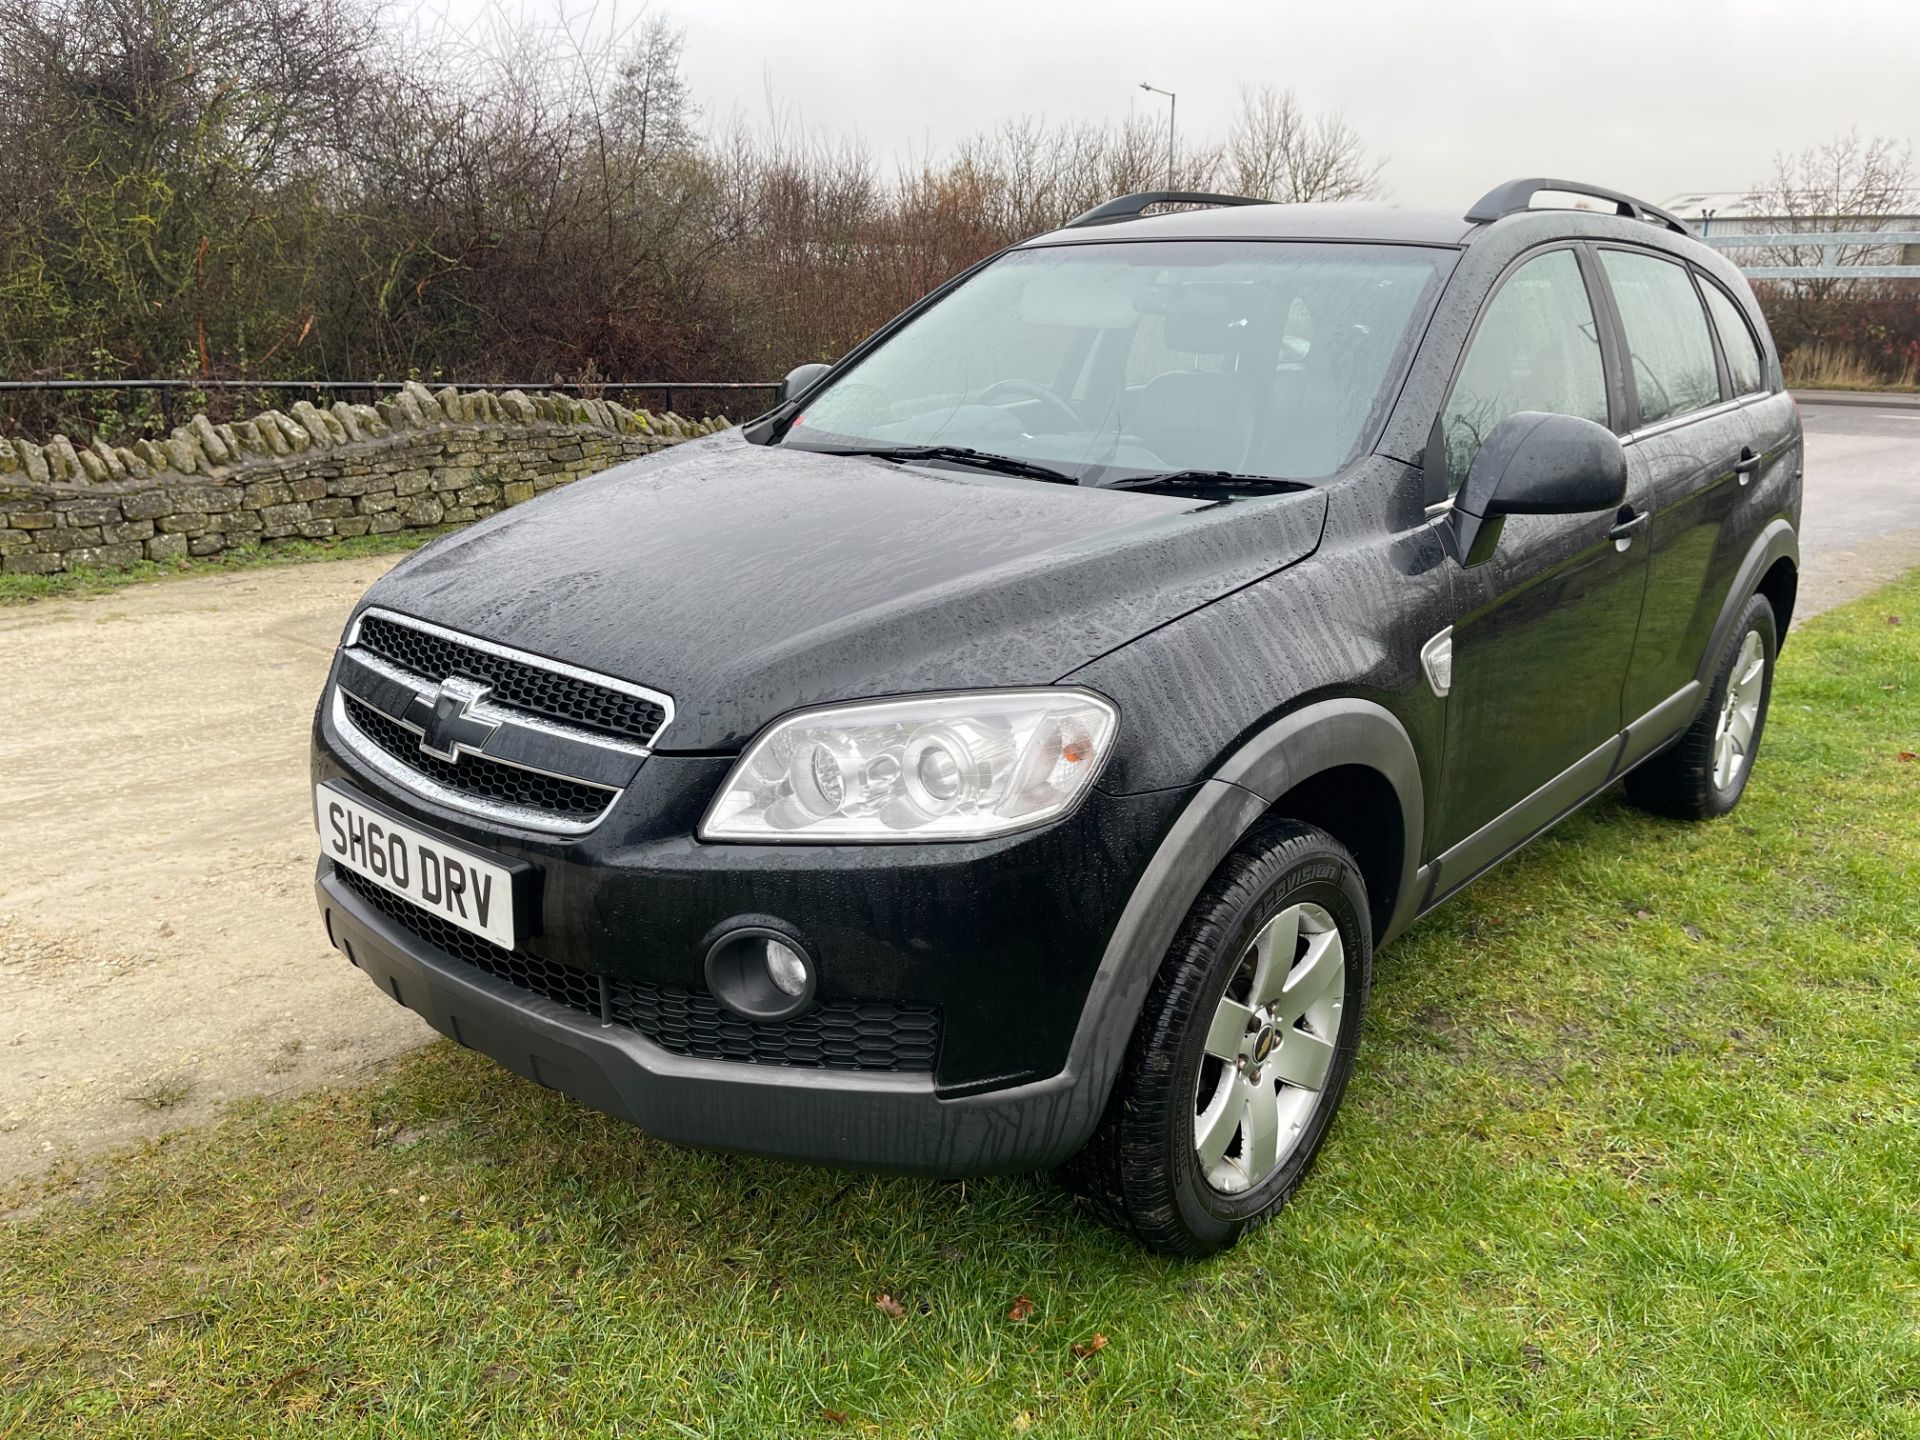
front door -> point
(1544, 630)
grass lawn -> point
(18, 589)
(1634, 1150)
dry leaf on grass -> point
(1092, 1347)
(835, 1417)
(890, 1307)
(290, 1377)
(1022, 1310)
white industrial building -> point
(1752, 212)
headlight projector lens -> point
(761, 973)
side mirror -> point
(800, 379)
(1536, 464)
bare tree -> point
(296, 188)
(137, 142)
(1030, 178)
(655, 108)
(1277, 150)
(1848, 183)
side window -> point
(1744, 363)
(1537, 348)
(1667, 338)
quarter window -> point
(1537, 348)
(1744, 365)
(1667, 337)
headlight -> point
(943, 767)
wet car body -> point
(1265, 649)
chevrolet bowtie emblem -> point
(445, 720)
(1263, 1046)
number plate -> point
(459, 886)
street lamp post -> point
(1173, 102)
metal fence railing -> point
(1831, 245)
(170, 394)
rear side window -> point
(1667, 337)
(1744, 364)
(1537, 348)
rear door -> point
(1545, 628)
(1771, 455)
(1687, 442)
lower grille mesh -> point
(835, 1035)
(559, 983)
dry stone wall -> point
(419, 460)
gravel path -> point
(159, 952)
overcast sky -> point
(1656, 97)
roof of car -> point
(1345, 220)
(1598, 211)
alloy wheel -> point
(1270, 1048)
(1740, 715)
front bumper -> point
(871, 1121)
(1003, 938)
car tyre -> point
(1705, 772)
(1241, 1052)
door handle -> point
(1628, 526)
(1747, 464)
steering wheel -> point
(1033, 390)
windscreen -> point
(1126, 359)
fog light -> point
(759, 972)
(786, 969)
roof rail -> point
(1517, 195)
(1129, 207)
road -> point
(1861, 526)
(159, 955)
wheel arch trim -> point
(1326, 736)
(1318, 737)
(1775, 542)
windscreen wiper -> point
(1198, 477)
(962, 455)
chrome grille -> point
(507, 735)
(870, 1035)
(555, 694)
(476, 775)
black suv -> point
(1010, 750)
